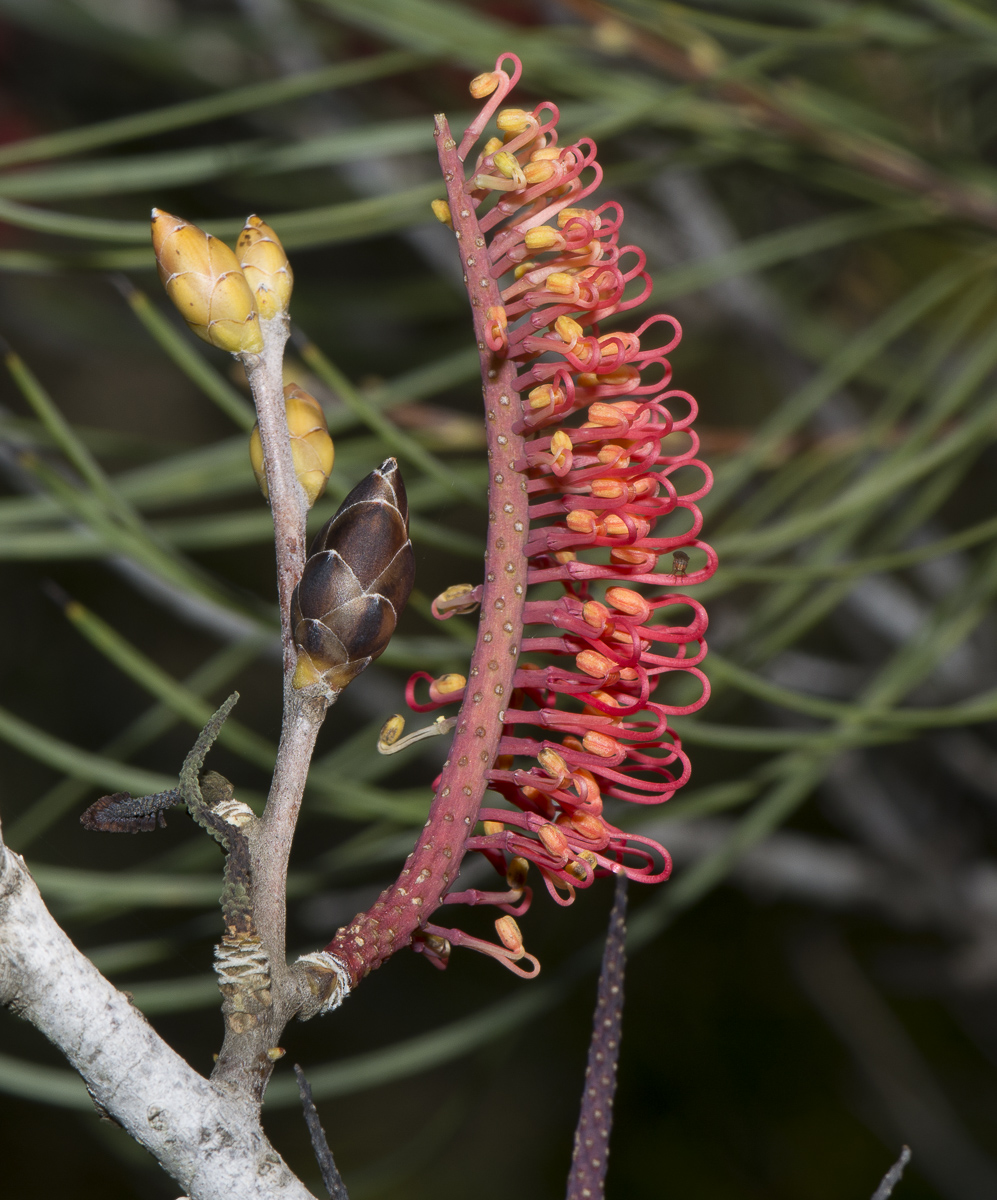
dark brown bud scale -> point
(356, 581)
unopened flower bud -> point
(538, 172)
(544, 396)
(515, 120)
(591, 662)
(613, 455)
(578, 870)
(446, 686)
(601, 744)
(626, 556)
(601, 413)
(455, 599)
(553, 764)
(595, 614)
(625, 600)
(553, 841)
(561, 283)
(543, 238)
(311, 446)
(584, 214)
(568, 330)
(441, 211)
(588, 826)
(607, 489)
(483, 85)
(580, 520)
(204, 280)
(588, 789)
(491, 146)
(508, 165)
(265, 266)
(516, 872)
(522, 269)
(509, 935)
(391, 730)
(561, 452)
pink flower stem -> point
(404, 908)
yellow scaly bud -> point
(204, 280)
(311, 445)
(265, 266)
(441, 211)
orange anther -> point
(607, 489)
(591, 662)
(553, 764)
(516, 872)
(595, 614)
(493, 827)
(601, 744)
(613, 455)
(553, 841)
(509, 935)
(627, 556)
(626, 600)
(580, 520)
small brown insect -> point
(680, 562)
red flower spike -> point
(585, 455)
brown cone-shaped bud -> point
(265, 267)
(355, 583)
(204, 280)
(311, 445)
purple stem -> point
(587, 1177)
(401, 910)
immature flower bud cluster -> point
(220, 295)
(311, 446)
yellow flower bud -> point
(543, 238)
(508, 165)
(311, 445)
(265, 266)
(483, 85)
(515, 120)
(204, 280)
(562, 283)
(491, 146)
(441, 211)
(538, 172)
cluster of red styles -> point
(604, 460)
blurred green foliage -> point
(814, 184)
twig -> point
(323, 1155)
(892, 1176)
(303, 711)
(287, 499)
(587, 1177)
